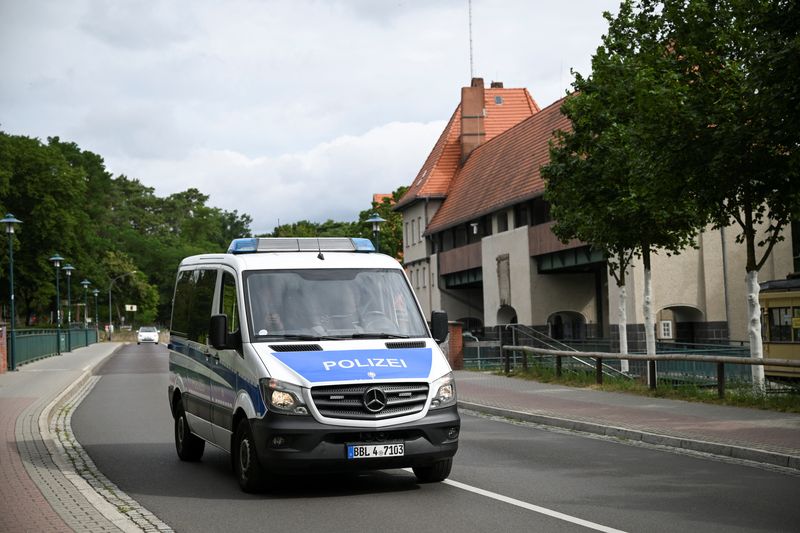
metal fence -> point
(726, 368)
(33, 344)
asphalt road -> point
(506, 477)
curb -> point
(94, 499)
(712, 448)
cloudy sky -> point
(285, 110)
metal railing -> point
(720, 362)
(520, 333)
(33, 344)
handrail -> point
(667, 357)
(549, 341)
(720, 361)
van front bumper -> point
(292, 443)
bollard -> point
(598, 365)
(651, 374)
(721, 380)
(558, 366)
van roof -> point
(297, 253)
(300, 244)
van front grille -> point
(387, 400)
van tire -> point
(248, 469)
(189, 446)
(434, 472)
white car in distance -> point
(147, 334)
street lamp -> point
(110, 286)
(376, 221)
(56, 260)
(85, 284)
(68, 270)
(10, 221)
(96, 323)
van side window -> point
(201, 304)
(180, 307)
(227, 301)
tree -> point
(391, 230)
(605, 181)
(741, 112)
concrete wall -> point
(513, 242)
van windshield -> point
(331, 304)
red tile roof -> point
(435, 176)
(502, 172)
(378, 197)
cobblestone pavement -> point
(41, 489)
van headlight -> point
(283, 398)
(445, 388)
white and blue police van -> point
(305, 354)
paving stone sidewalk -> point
(36, 493)
(741, 433)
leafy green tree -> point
(605, 181)
(391, 238)
(737, 137)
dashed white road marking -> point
(529, 506)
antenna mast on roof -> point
(469, 4)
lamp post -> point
(68, 270)
(10, 221)
(110, 286)
(85, 284)
(96, 323)
(56, 260)
(376, 221)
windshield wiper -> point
(300, 337)
(376, 335)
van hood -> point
(360, 364)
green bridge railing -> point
(33, 344)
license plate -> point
(367, 451)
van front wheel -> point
(189, 447)
(435, 472)
(248, 468)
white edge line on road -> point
(529, 506)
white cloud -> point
(259, 103)
(334, 179)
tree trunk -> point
(649, 327)
(754, 328)
(623, 326)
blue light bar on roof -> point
(300, 244)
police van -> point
(305, 354)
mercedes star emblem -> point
(375, 400)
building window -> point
(405, 236)
(419, 227)
(487, 225)
(460, 236)
(665, 327)
(520, 215)
(502, 222)
(424, 277)
(540, 211)
(413, 232)
(498, 100)
(780, 323)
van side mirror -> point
(218, 332)
(439, 326)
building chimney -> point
(472, 115)
(497, 85)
